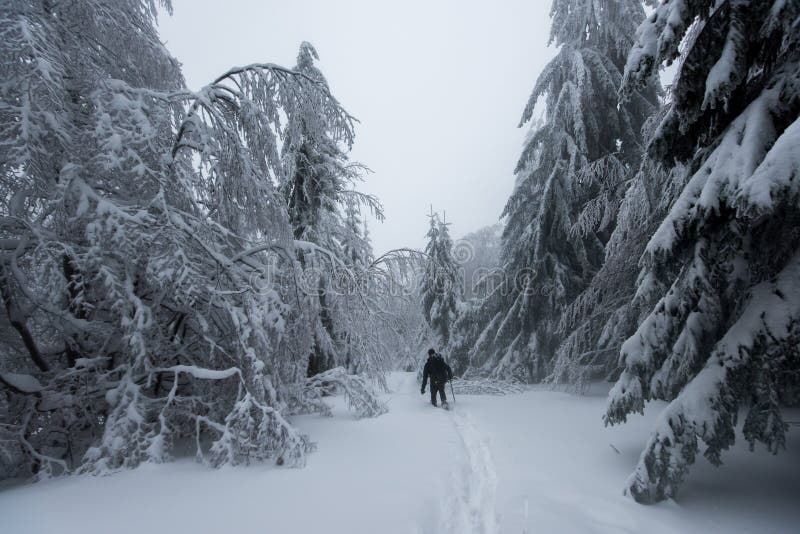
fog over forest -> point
(346, 266)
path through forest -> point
(540, 461)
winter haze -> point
(438, 87)
(198, 333)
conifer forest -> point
(237, 268)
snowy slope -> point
(558, 472)
(370, 475)
(540, 461)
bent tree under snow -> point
(724, 335)
(187, 270)
(148, 267)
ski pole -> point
(452, 391)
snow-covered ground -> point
(539, 461)
(559, 471)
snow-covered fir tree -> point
(608, 311)
(319, 181)
(147, 260)
(723, 335)
(441, 284)
(570, 179)
(324, 209)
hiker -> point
(439, 372)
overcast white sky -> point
(438, 85)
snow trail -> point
(537, 461)
(470, 503)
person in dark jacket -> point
(439, 372)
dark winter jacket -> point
(437, 369)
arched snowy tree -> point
(724, 334)
(570, 179)
(147, 262)
(441, 285)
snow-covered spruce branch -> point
(486, 386)
(707, 408)
(721, 269)
(358, 392)
(242, 92)
(399, 257)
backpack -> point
(438, 368)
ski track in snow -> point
(538, 461)
(470, 505)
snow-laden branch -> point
(487, 386)
(360, 395)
